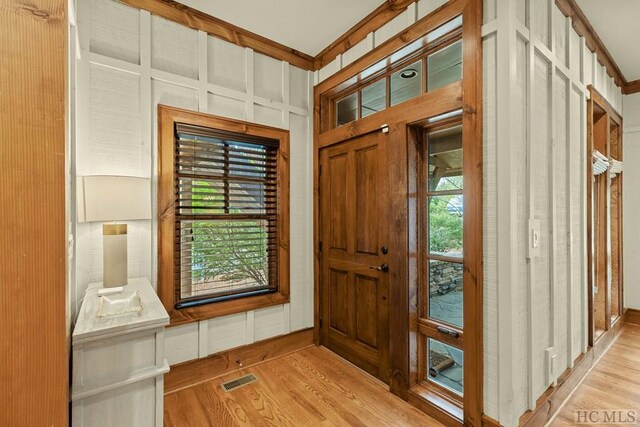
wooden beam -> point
(34, 325)
(193, 18)
(631, 87)
(376, 19)
(198, 371)
(584, 28)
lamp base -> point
(114, 255)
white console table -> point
(118, 362)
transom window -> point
(430, 64)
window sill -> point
(437, 405)
(223, 308)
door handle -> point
(382, 267)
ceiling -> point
(305, 25)
(616, 22)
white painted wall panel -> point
(330, 69)
(540, 23)
(115, 31)
(391, 28)
(425, 7)
(226, 64)
(540, 175)
(174, 48)
(267, 77)
(561, 282)
(490, 222)
(269, 322)
(173, 95)
(226, 332)
(299, 87)
(577, 151)
(181, 343)
(358, 50)
(114, 105)
(267, 115)
(227, 107)
(561, 26)
(631, 197)
(521, 292)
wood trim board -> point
(193, 18)
(34, 325)
(197, 371)
(631, 316)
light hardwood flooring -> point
(612, 384)
(310, 387)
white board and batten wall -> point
(631, 200)
(131, 61)
(536, 72)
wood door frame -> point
(467, 96)
(597, 101)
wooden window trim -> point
(167, 118)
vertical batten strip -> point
(554, 286)
(531, 273)
(570, 207)
(149, 147)
(507, 207)
(286, 121)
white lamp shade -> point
(113, 198)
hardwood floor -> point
(612, 385)
(310, 387)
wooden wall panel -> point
(33, 293)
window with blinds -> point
(226, 205)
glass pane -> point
(444, 66)
(444, 365)
(406, 83)
(374, 98)
(445, 159)
(347, 109)
(445, 292)
(445, 225)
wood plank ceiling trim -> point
(584, 28)
(193, 18)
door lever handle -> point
(448, 331)
(382, 267)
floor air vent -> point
(238, 382)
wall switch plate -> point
(533, 237)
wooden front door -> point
(354, 229)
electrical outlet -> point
(534, 236)
(551, 357)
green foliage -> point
(445, 219)
(227, 250)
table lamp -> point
(113, 198)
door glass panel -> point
(406, 83)
(445, 225)
(444, 66)
(347, 109)
(445, 364)
(445, 159)
(445, 292)
(374, 98)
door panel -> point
(354, 224)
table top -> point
(89, 326)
